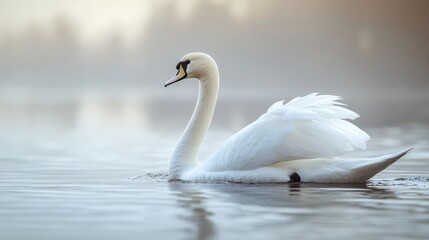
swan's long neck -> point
(185, 154)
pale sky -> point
(96, 19)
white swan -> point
(297, 141)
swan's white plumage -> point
(313, 126)
(305, 136)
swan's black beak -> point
(181, 73)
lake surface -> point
(111, 183)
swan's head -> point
(193, 65)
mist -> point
(372, 53)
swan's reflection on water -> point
(194, 201)
(235, 209)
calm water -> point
(107, 184)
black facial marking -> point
(184, 64)
(295, 177)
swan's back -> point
(313, 126)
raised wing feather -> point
(313, 126)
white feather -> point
(308, 127)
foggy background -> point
(102, 64)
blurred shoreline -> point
(65, 63)
(172, 107)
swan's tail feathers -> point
(367, 168)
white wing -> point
(312, 126)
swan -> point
(299, 141)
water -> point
(112, 184)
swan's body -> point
(297, 141)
